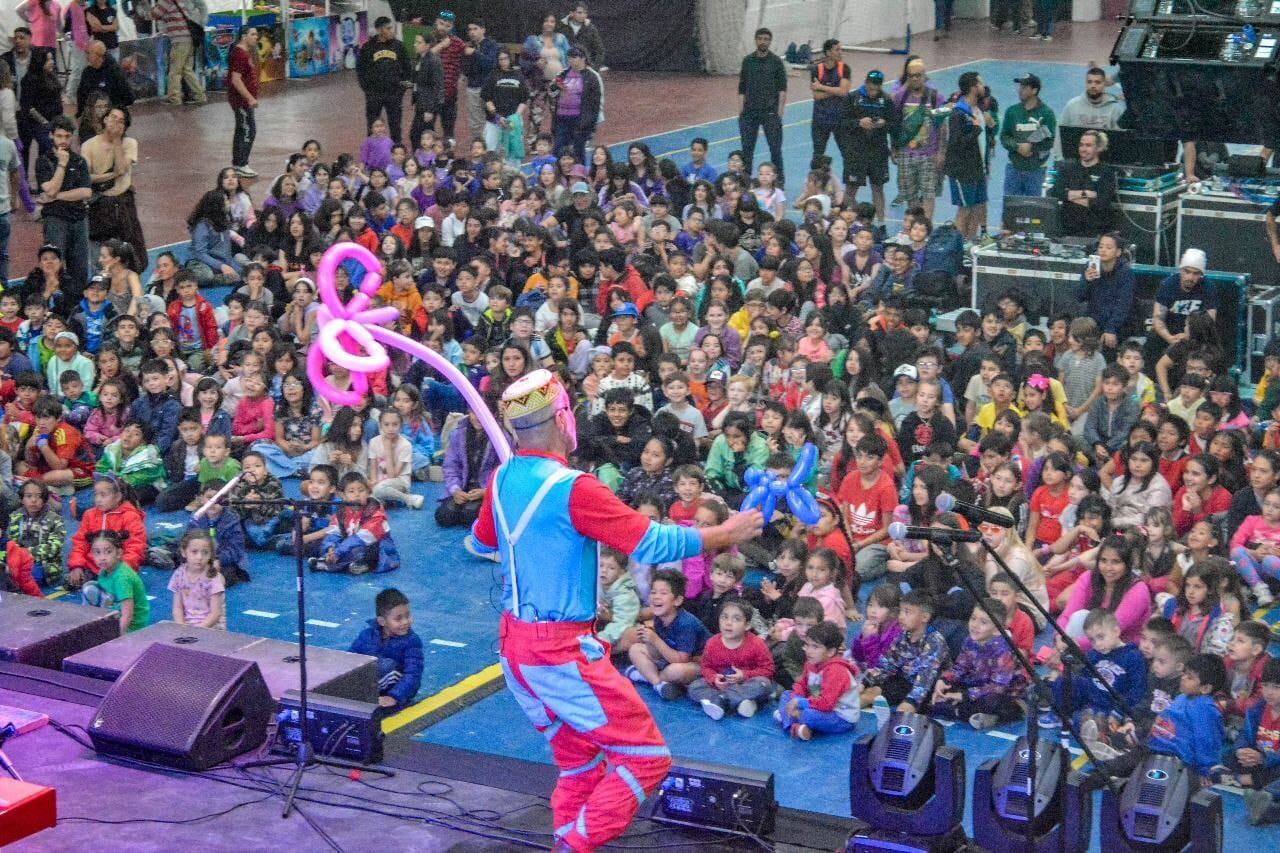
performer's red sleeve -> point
(599, 514)
(483, 529)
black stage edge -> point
(801, 829)
(796, 829)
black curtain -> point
(653, 35)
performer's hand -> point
(740, 527)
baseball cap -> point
(718, 375)
(580, 187)
(67, 336)
(424, 222)
(97, 281)
(907, 370)
(1194, 258)
(49, 247)
(1028, 80)
(628, 309)
(875, 76)
(446, 15)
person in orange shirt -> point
(401, 292)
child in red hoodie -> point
(110, 511)
(737, 668)
(825, 696)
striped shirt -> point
(172, 22)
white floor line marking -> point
(448, 643)
(320, 623)
(265, 614)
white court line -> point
(1074, 750)
(320, 623)
(448, 643)
(264, 614)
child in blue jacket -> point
(1255, 757)
(1120, 663)
(390, 638)
(1190, 728)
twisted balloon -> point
(354, 336)
(764, 489)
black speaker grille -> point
(184, 707)
(1146, 825)
(1151, 794)
(893, 778)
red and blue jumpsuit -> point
(546, 520)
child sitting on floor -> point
(736, 671)
(619, 604)
(199, 592)
(257, 484)
(879, 629)
(664, 655)
(984, 683)
(358, 540)
(907, 671)
(391, 639)
(1256, 753)
(788, 655)
(38, 528)
(1122, 665)
(117, 586)
(223, 526)
(825, 696)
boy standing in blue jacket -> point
(390, 638)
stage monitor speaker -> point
(183, 708)
(1195, 81)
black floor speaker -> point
(184, 708)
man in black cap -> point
(384, 72)
(870, 113)
(1027, 133)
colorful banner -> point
(346, 33)
(271, 60)
(218, 42)
(309, 47)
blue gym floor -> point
(454, 595)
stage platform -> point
(441, 799)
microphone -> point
(219, 496)
(937, 535)
(970, 512)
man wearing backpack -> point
(918, 139)
(830, 82)
(870, 117)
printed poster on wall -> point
(309, 47)
(218, 42)
(346, 33)
(271, 60)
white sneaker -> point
(245, 172)
(982, 722)
(417, 502)
(470, 547)
(634, 674)
(747, 708)
(1263, 593)
(714, 710)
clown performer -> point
(546, 521)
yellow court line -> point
(57, 594)
(453, 692)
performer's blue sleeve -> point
(663, 543)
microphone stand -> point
(1073, 649)
(305, 756)
(1035, 681)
